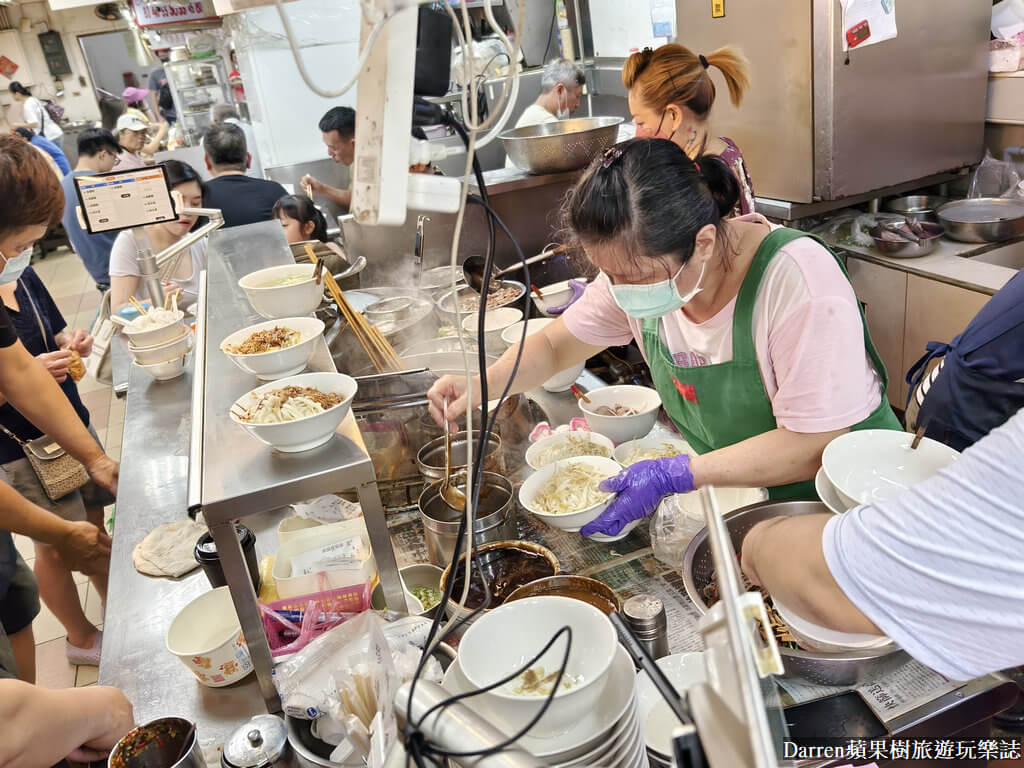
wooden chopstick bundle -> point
(382, 355)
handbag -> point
(58, 471)
(54, 110)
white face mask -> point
(14, 267)
(563, 112)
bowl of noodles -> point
(283, 291)
(565, 494)
(297, 413)
(276, 348)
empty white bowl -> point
(310, 431)
(273, 300)
(555, 295)
(164, 351)
(153, 336)
(495, 322)
(619, 429)
(828, 494)
(504, 639)
(168, 369)
(535, 452)
(572, 521)
(684, 671)
(872, 465)
(282, 362)
(562, 380)
(207, 637)
(814, 637)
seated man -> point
(937, 568)
(227, 113)
(961, 391)
(97, 153)
(338, 129)
(242, 199)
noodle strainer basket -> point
(562, 145)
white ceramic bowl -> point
(154, 336)
(495, 322)
(277, 301)
(164, 351)
(167, 370)
(624, 451)
(619, 429)
(814, 637)
(555, 295)
(306, 433)
(562, 380)
(872, 465)
(828, 494)
(283, 362)
(504, 639)
(534, 452)
(574, 520)
(207, 637)
(684, 671)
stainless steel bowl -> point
(563, 145)
(917, 207)
(848, 668)
(907, 249)
(983, 219)
(430, 458)
(446, 309)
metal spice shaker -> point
(645, 615)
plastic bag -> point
(993, 178)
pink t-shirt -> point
(808, 338)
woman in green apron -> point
(754, 337)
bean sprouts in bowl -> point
(296, 413)
(565, 494)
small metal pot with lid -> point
(260, 743)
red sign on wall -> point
(7, 67)
(160, 14)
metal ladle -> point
(473, 269)
(452, 496)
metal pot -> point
(430, 459)
(441, 523)
(157, 744)
(983, 219)
(848, 668)
(907, 249)
(260, 743)
(917, 207)
(446, 309)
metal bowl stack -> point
(847, 668)
(563, 145)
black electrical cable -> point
(551, 30)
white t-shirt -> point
(34, 112)
(940, 569)
(808, 338)
(123, 263)
(534, 114)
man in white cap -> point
(132, 132)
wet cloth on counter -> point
(169, 549)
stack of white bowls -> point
(161, 352)
(593, 722)
(683, 670)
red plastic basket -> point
(292, 623)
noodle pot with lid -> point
(260, 743)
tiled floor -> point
(77, 298)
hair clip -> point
(696, 165)
(610, 156)
(703, 61)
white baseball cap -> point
(130, 121)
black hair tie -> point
(703, 61)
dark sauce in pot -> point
(506, 569)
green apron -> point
(721, 404)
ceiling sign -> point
(155, 14)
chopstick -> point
(137, 305)
(918, 436)
(579, 394)
(382, 355)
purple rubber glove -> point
(640, 489)
(577, 287)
